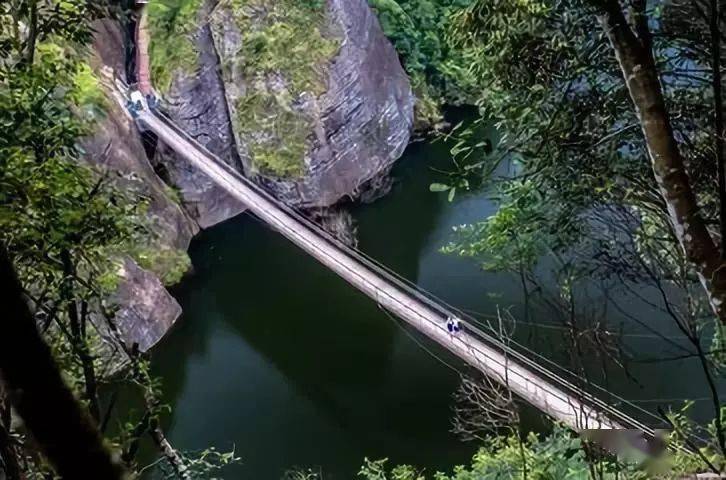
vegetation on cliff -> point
(61, 224)
(286, 48)
(420, 31)
(66, 226)
(172, 25)
(170, 264)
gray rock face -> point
(117, 146)
(362, 123)
(197, 104)
(366, 115)
(146, 309)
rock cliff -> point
(145, 309)
(310, 101)
(196, 102)
(117, 145)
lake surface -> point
(280, 359)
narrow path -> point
(143, 64)
(539, 387)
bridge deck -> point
(571, 408)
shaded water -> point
(281, 359)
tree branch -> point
(641, 77)
(33, 382)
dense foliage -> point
(584, 194)
(568, 124)
(172, 24)
(558, 456)
(60, 223)
(506, 454)
(67, 227)
(437, 68)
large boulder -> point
(145, 310)
(367, 112)
(315, 122)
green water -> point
(281, 359)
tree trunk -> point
(32, 33)
(715, 30)
(172, 456)
(34, 385)
(77, 323)
(8, 452)
(636, 61)
(8, 456)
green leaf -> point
(438, 187)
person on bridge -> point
(457, 325)
(453, 325)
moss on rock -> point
(169, 264)
(286, 49)
(171, 26)
(87, 93)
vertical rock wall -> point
(145, 309)
(365, 117)
(360, 125)
(196, 102)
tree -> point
(560, 455)
(33, 383)
(612, 113)
(418, 29)
(632, 42)
(66, 226)
(563, 102)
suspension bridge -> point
(564, 399)
(546, 390)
